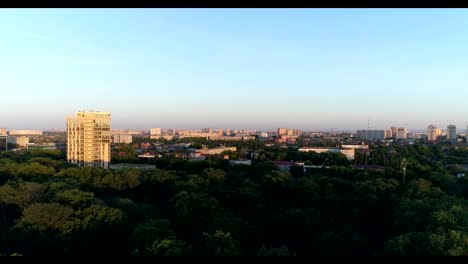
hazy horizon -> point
(311, 69)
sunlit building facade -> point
(89, 139)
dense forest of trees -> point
(48, 207)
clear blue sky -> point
(238, 68)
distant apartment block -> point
(155, 131)
(89, 139)
(349, 153)
(166, 137)
(122, 138)
(388, 133)
(285, 166)
(25, 133)
(263, 135)
(214, 151)
(3, 132)
(21, 141)
(288, 132)
(399, 133)
(189, 133)
(282, 131)
(433, 132)
(355, 146)
(371, 134)
(452, 133)
(231, 138)
(158, 133)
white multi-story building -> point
(89, 139)
(3, 132)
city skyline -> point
(310, 69)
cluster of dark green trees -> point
(48, 207)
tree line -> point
(48, 207)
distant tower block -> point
(89, 139)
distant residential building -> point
(122, 138)
(349, 153)
(50, 146)
(166, 137)
(388, 133)
(89, 139)
(214, 151)
(25, 133)
(355, 146)
(207, 130)
(433, 132)
(288, 132)
(189, 133)
(155, 131)
(240, 162)
(281, 131)
(371, 134)
(220, 132)
(263, 134)
(399, 133)
(393, 131)
(21, 141)
(231, 138)
(415, 135)
(228, 132)
(286, 165)
(452, 133)
(3, 132)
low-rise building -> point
(355, 146)
(286, 165)
(122, 138)
(214, 151)
(240, 162)
(25, 133)
(50, 146)
(348, 152)
(21, 141)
